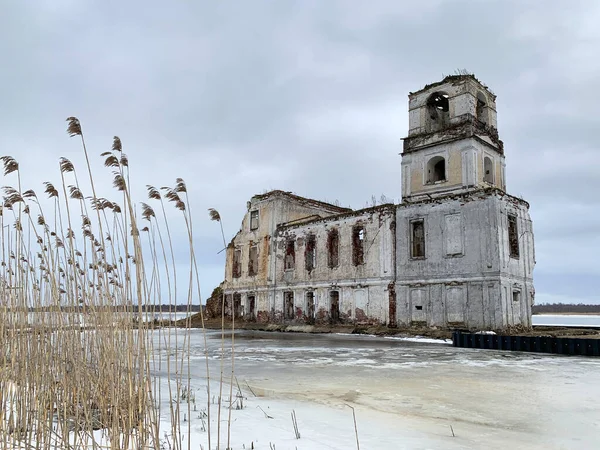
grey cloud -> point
(305, 96)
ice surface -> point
(406, 394)
(567, 320)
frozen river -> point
(406, 394)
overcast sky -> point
(239, 97)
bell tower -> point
(452, 144)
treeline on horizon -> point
(122, 308)
(565, 308)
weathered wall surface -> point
(456, 120)
(360, 281)
(467, 277)
(462, 94)
(464, 168)
(272, 211)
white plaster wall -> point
(464, 168)
(466, 272)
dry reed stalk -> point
(76, 363)
(215, 216)
(355, 428)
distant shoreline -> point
(565, 308)
(545, 313)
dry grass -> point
(78, 373)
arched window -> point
(438, 114)
(481, 108)
(436, 169)
(488, 170)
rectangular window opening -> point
(516, 296)
(237, 263)
(310, 260)
(419, 307)
(290, 255)
(253, 220)
(358, 245)
(333, 248)
(238, 310)
(513, 236)
(253, 260)
(417, 239)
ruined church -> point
(457, 252)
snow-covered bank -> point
(420, 339)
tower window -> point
(253, 220)
(436, 169)
(516, 296)
(417, 239)
(513, 237)
(438, 108)
(439, 101)
(488, 170)
(480, 109)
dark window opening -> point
(310, 254)
(417, 239)
(310, 306)
(290, 256)
(288, 305)
(251, 307)
(227, 307)
(438, 107)
(333, 248)
(438, 102)
(488, 170)
(334, 308)
(513, 237)
(516, 296)
(419, 307)
(480, 109)
(237, 306)
(358, 245)
(237, 263)
(253, 261)
(253, 220)
(436, 169)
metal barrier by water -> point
(541, 344)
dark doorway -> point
(237, 306)
(310, 307)
(334, 309)
(251, 308)
(288, 305)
